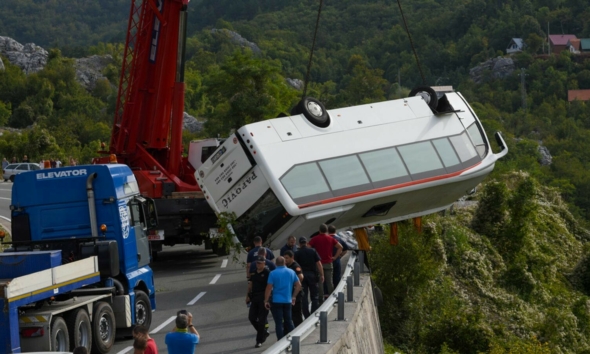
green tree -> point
(244, 90)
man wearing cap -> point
(324, 245)
(256, 288)
(284, 286)
(270, 265)
(313, 274)
(254, 252)
(184, 337)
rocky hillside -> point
(508, 274)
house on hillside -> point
(516, 45)
(578, 95)
(573, 45)
(558, 42)
(585, 45)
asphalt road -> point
(212, 288)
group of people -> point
(303, 273)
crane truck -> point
(147, 127)
(65, 280)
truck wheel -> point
(60, 339)
(143, 309)
(80, 329)
(218, 249)
(103, 328)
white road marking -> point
(224, 263)
(125, 350)
(5, 198)
(192, 302)
(157, 329)
(5, 218)
(215, 279)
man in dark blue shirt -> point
(254, 252)
(262, 253)
(337, 273)
(290, 246)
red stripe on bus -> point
(383, 189)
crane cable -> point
(399, 4)
(317, 24)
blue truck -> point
(77, 268)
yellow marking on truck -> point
(33, 319)
(55, 286)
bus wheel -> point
(428, 94)
(313, 110)
(60, 339)
(80, 329)
(103, 328)
(143, 309)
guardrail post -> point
(349, 289)
(361, 261)
(295, 344)
(341, 307)
(323, 328)
(357, 274)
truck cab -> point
(82, 212)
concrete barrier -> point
(359, 333)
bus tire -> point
(103, 328)
(314, 111)
(428, 94)
(80, 329)
(143, 309)
(60, 338)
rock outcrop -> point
(191, 123)
(238, 40)
(29, 57)
(89, 70)
(497, 68)
(295, 83)
(546, 157)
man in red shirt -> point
(142, 331)
(324, 244)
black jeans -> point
(282, 312)
(310, 286)
(257, 316)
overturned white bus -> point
(351, 167)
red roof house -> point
(558, 42)
(579, 95)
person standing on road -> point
(337, 271)
(324, 244)
(139, 345)
(270, 265)
(184, 337)
(289, 246)
(313, 275)
(254, 252)
(294, 266)
(258, 312)
(284, 286)
(142, 331)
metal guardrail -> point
(320, 316)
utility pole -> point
(548, 40)
(523, 89)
